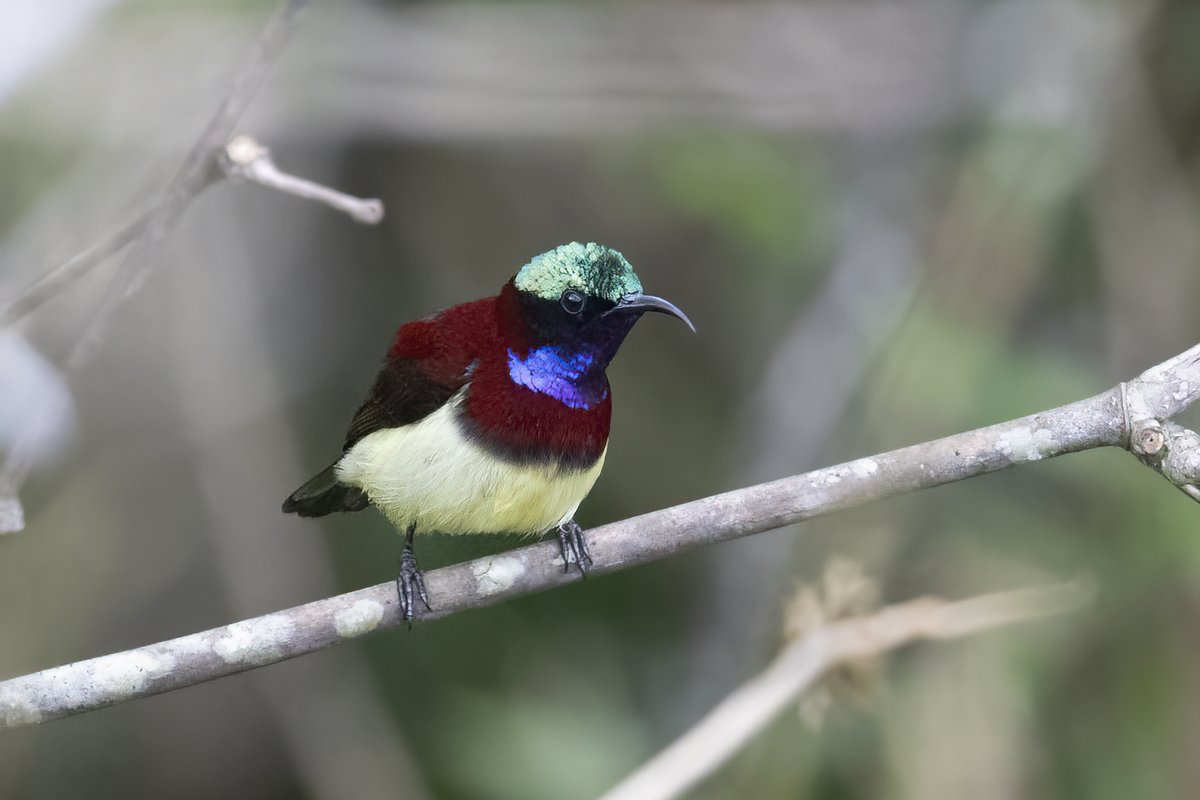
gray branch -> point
(213, 155)
(242, 158)
(725, 730)
(199, 170)
(245, 159)
(1108, 419)
(140, 238)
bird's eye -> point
(572, 301)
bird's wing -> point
(403, 393)
(429, 361)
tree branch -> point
(245, 159)
(717, 737)
(67, 273)
(242, 158)
(1104, 420)
(212, 155)
(141, 236)
(198, 171)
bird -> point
(492, 416)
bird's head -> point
(584, 296)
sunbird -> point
(493, 415)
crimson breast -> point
(522, 403)
(519, 424)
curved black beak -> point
(642, 303)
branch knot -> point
(1146, 438)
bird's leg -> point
(574, 547)
(410, 580)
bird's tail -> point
(325, 494)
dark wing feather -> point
(430, 359)
(324, 494)
(404, 392)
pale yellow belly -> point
(431, 474)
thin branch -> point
(67, 273)
(1100, 421)
(717, 737)
(198, 171)
(242, 158)
(347, 744)
(245, 159)
(144, 234)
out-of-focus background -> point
(889, 220)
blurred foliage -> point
(269, 316)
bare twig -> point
(704, 748)
(146, 233)
(245, 159)
(330, 715)
(242, 158)
(828, 350)
(67, 273)
(1104, 420)
(199, 170)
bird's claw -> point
(410, 585)
(573, 547)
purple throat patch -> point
(561, 374)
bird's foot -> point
(410, 586)
(573, 547)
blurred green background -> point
(890, 221)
